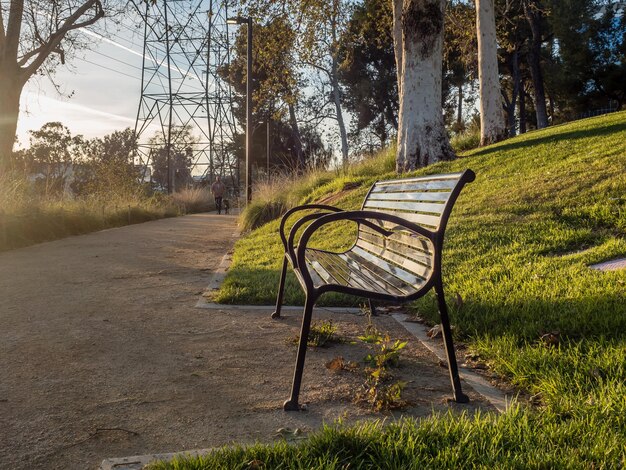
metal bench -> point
(396, 256)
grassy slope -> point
(544, 206)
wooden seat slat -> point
(395, 285)
(415, 186)
(411, 240)
(447, 176)
(407, 264)
(406, 206)
(324, 276)
(419, 219)
(341, 278)
(404, 275)
(317, 280)
(365, 278)
(426, 197)
(397, 247)
(331, 276)
(349, 276)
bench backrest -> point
(425, 201)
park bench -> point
(396, 256)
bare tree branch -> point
(70, 24)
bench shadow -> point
(591, 317)
(548, 139)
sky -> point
(104, 84)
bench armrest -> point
(363, 217)
(304, 207)
(289, 243)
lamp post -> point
(248, 21)
(269, 146)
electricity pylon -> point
(185, 113)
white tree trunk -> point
(492, 123)
(422, 137)
(343, 133)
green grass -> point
(515, 440)
(543, 207)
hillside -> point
(544, 204)
(544, 207)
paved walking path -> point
(103, 353)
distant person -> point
(217, 189)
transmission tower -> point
(185, 107)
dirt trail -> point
(103, 354)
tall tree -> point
(368, 69)
(422, 137)
(323, 23)
(276, 84)
(34, 37)
(492, 128)
(460, 61)
(52, 152)
(534, 15)
(177, 161)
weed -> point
(372, 334)
(388, 354)
(378, 390)
(321, 333)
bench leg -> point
(372, 307)
(292, 403)
(459, 396)
(281, 289)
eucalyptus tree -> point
(422, 137)
(35, 37)
(322, 23)
(535, 16)
(460, 61)
(492, 125)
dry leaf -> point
(434, 332)
(255, 465)
(335, 364)
(551, 339)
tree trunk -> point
(533, 15)
(343, 133)
(10, 91)
(492, 124)
(422, 137)
(334, 78)
(397, 40)
(511, 105)
(522, 107)
(297, 140)
(459, 107)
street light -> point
(238, 20)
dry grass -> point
(27, 217)
(194, 200)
